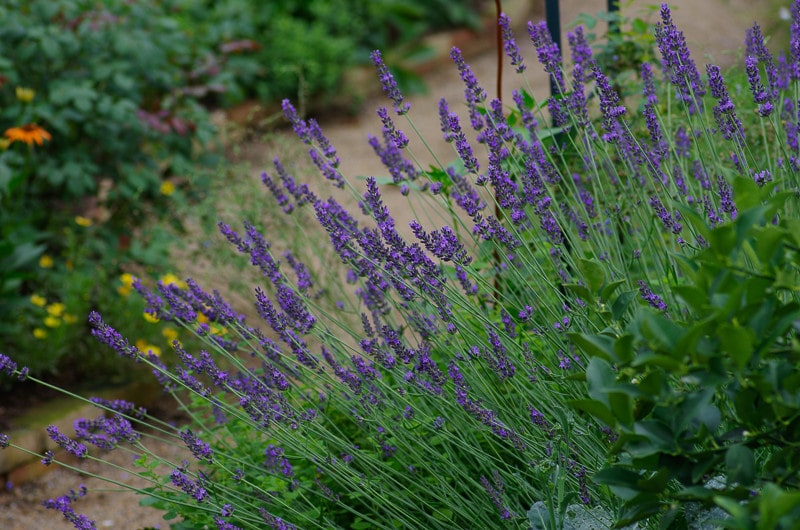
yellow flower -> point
(171, 279)
(25, 95)
(52, 322)
(46, 261)
(145, 347)
(38, 300)
(82, 221)
(202, 318)
(127, 284)
(170, 334)
(167, 188)
(70, 319)
(39, 333)
(4, 143)
(56, 309)
(219, 330)
(28, 134)
(150, 318)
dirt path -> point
(711, 26)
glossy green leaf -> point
(741, 464)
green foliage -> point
(706, 401)
(301, 50)
(627, 44)
(106, 94)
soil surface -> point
(710, 26)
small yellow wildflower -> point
(4, 144)
(82, 221)
(39, 333)
(171, 279)
(52, 322)
(127, 284)
(170, 334)
(167, 188)
(202, 318)
(219, 330)
(70, 319)
(46, 261)
(38, 300)
(145, 347)
(25, 95)
(56, 309)
(151, 318)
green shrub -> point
(101, 122)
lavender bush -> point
(591, 325)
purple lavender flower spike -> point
(761, 96)
(677, 62)
(4, 440)
(473, 94)
(724, 111)
(111, 337)
(548, 53)
(794, 41)
(755, 46)
(648, 84)
(510, 44)
(495, 493)
(609, 104)
(581, 54)
(63, 504)
(389, 84)
(65, 442)
(7, 365)
(650, 297)
(200, 449)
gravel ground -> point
(110, 507)
(20, 506)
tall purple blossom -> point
(322, 152)
(510, 43)
(724, 111)
(389, 84)
(495, 493)
(65, 442)
(548, 53)
(63, 504)
(650, 297)
(761, 95)
(473, 94)
(794, 41)
(677, 62)
(755, 47)
(581, 54)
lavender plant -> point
(515, 358)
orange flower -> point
(28, 133)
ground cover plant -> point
(592, 323)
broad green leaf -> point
(594, 345)
(592, 273)
(600, 378)
(622, 407)
(596, 409)
(737, 342)
(608, 290)
(741, 465)
(620, 305)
